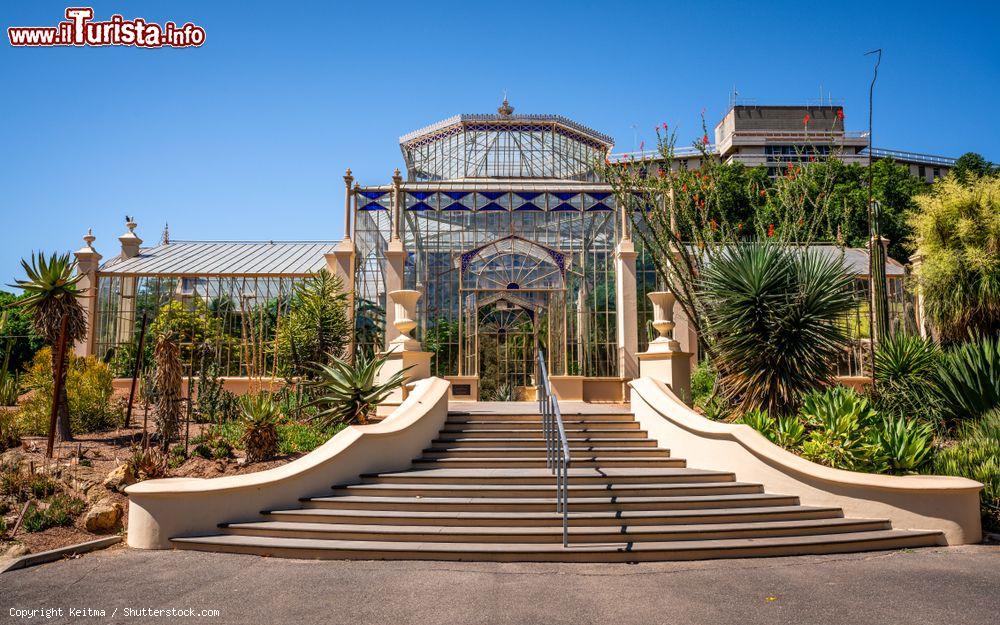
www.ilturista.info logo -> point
(79, 29)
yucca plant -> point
(259, 418)
(52, 293)
(906, 372)
(775, 325)
(167, 377)
(346, 393)
(969, 380)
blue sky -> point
(248, 136)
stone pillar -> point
(340, 262)
(664, 360)
(395, 260)
(131, 245)
(404, 352)
(627, 308)
(87, 263)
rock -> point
(16, 551)
(84, 479)
(119, 478)
(104, 517)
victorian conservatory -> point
(502, 226)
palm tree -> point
(52, 293)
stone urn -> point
(405, 307)
(663, 322)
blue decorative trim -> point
(528, 195)
(565, 195)
(528, 206)
(373, 206)
(456, 195)
(598, 195)
(493, 195)
(564, 207)
(492, 206)
(374, 195)
(420, 195)
(421, 206)
(456, 206)
(600, 206)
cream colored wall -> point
(162, 509)
(924, 502)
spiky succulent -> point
(259, 418)
(348, 392)
(52, 292)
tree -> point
(51, 293)
(972, 165)
(957, 230)
(18, 333)
(317, 326)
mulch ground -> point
(84, 463)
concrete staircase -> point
(481, 492)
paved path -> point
(956, 585)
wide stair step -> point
(482, 491)
(313, 548)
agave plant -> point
(760, 421)
(977, 456)
(167, 378)
(348, 393)
(52, 294)
(788, 432)
(904, 445)
(838, 419)
(259, 418)
(969, 380)
(775, 323)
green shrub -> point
(202, 451)
(316, 327)
(221, 449)
(88, 386)
(703, 380)
(969, 380)
(61, 511)
(788, 432)
(214, 403)
(299, 437)
(976, 456)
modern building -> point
(501, 224)
(773, 136)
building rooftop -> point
(224, 258)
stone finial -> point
(165, 239)
(348, 178)
(397, 178)
(505, 109)
(130, 241)
(87, 258)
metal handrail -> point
(557, 456)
